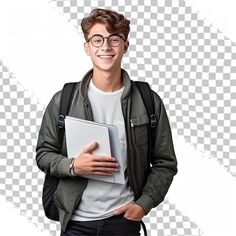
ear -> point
(86, 48)
(126, 45)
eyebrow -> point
(121, 36)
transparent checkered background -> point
(187, 61)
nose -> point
(106, 44)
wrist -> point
(72, 167)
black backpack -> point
(50, 182)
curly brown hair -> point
(115, 23)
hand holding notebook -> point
(88, 164)
(80, 134)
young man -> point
(107, 95)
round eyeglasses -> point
(98, 40)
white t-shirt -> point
(100, 198)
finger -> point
(131, 218)
(105, 170)
(106, 159)
(102, 173)
(120, 210)
(90, 148)
(105, 164)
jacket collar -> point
(87, 77)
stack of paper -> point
(81, 133)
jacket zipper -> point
(132, 123)
(87, 110)
(129, 166)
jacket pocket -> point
(139, 129)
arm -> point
(48, 156)
(163, 162)
(162, 170)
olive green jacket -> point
(149, 182)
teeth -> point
(105, 57)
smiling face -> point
(105, 58)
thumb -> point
(120, 210)
(90, 148)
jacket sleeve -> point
(163, 161)
(48, 156)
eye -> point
(114, 39)
(97, 39)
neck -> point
(107, 81)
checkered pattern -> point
(185, 59)
(20, 118)
(166, 220)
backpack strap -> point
(147, 97)
(67, 95)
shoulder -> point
(147, 88)
(52, 108)
(55, 100)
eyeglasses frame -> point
(89, 39)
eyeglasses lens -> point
(114, 40)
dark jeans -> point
(113, 226)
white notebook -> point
(80, 133)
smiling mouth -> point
(105, 56)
